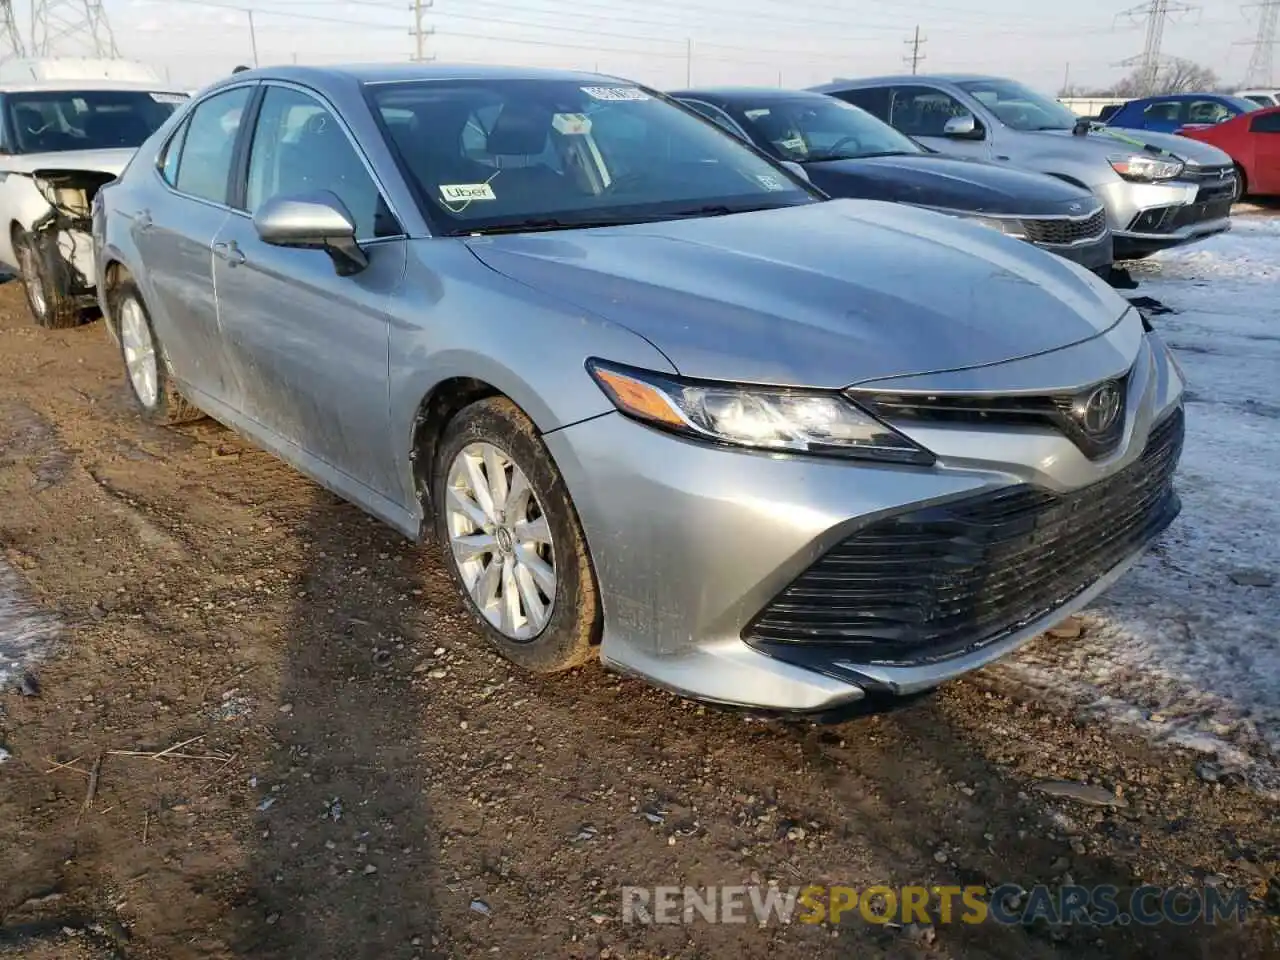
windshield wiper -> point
(541, 225)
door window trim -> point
(185, 122)
(242, 159)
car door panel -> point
(308, 347)
(174, 223)
(1263, 139)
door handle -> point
(230, 252)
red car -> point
(1253, 140)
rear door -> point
(1163, 116)
(174, 227)
(309, 348)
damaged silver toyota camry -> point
(659, 400)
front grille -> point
(942, 580)
(1063, 232)
(1063, 412)
(1215, 182)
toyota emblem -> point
(1100, 409)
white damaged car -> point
(60, 141)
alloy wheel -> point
(139, 353)
(501, 541)
(31, 277)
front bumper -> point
(1149, 217)
(692, 542)
(1096, 255)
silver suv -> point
(1160, 190)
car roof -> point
(839, 82)
(89, 84)
(747, 93)
(1185, 96)
(407, 72)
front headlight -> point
(765, 418)
(1142, 168)
(1008, 226)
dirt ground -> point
(360, 777)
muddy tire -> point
(512, 540)
(47, 282)
(145, 369)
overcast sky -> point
(665, 42)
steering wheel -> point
(841, 142)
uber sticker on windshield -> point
(571, 124)
(615, 93)
(169, 97)
(771, 183)
(466, 192)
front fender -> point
(455, 317)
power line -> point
(915, 56)
(1156, 13)
(11, 45)
(62, 26)
(1262, 61)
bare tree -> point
(1176, 75)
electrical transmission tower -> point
(421, 31)
(915, 56)
(1156, 12)
(1262, 62)
(11, 46)
(69, 27)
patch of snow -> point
(1176, 648)
(25, 630)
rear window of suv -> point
(56, 121)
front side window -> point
(57, 121)
(1166, 111)
(924, 111)
(1209, 111)
(204, 166)
(300, 148)
(529, 154)
(1019, 107)
(820, 128)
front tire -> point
(1242, 185)
(45, 280)
(512, 539)
(146, 370)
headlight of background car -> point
(766, 418)
(1146, 169)
(1009, 227)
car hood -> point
(937, 181)
(100, 161)
(1110, 140)
(825, 295)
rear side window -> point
(1167, 111)
(874, 101)
(204, 166)
(1267, 123)
(172, 151)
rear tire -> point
(46, 280)
(512, 540)
(146, 370)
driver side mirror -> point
(314, 221)
(963, 127)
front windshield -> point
(55, 121)
(1020, 107)
(502, 154)
(820, 128)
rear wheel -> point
(512, 539)
(45, 279)
(146, 370)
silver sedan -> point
(664, 403)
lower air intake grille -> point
(928, 584)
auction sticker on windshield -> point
(466, 192)
(615, 93)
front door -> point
(174, 226)
(922, 112)
(309, 348)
